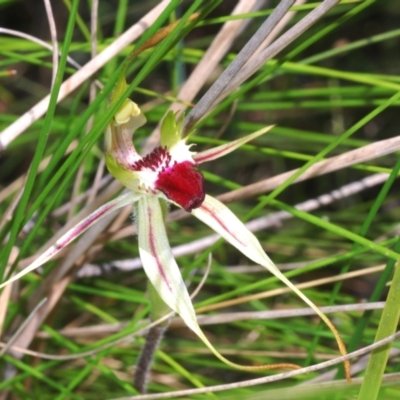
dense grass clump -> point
(320, 191)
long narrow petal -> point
(158, 261)
(74, 232)
(164, 274)
(220, 151)
(216, 215)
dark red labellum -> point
(182, 184)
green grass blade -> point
(41, 144)
(387, 326)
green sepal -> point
(171, 130)
(118, 172)
(119, 89)
(164, 208)
(158, 308)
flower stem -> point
(146, 357)
(158, 309)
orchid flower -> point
(169, 174)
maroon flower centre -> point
(180, 182)
(158, 158)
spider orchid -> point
(169, 174)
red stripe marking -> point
(200, 158)
(154, 252)
(221, 222)
(86, 224)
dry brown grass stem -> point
(209, 62)
(55, 284)
(53, 35)
(34, 39)
(6, 293)
(277, 30)
(89, 237)
(92, 95)
(369, 152)
(20, 182)
(269, 221)
(105, 329)
(59, 287)
(283, 290)
(231, 78)
(324, 390)
(356, 367)
(205, 104)
(353, 157)
(101, 330)
(22, 328)
(267, 379)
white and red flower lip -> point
(168, 169)
(179, 181)
(182, 184)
